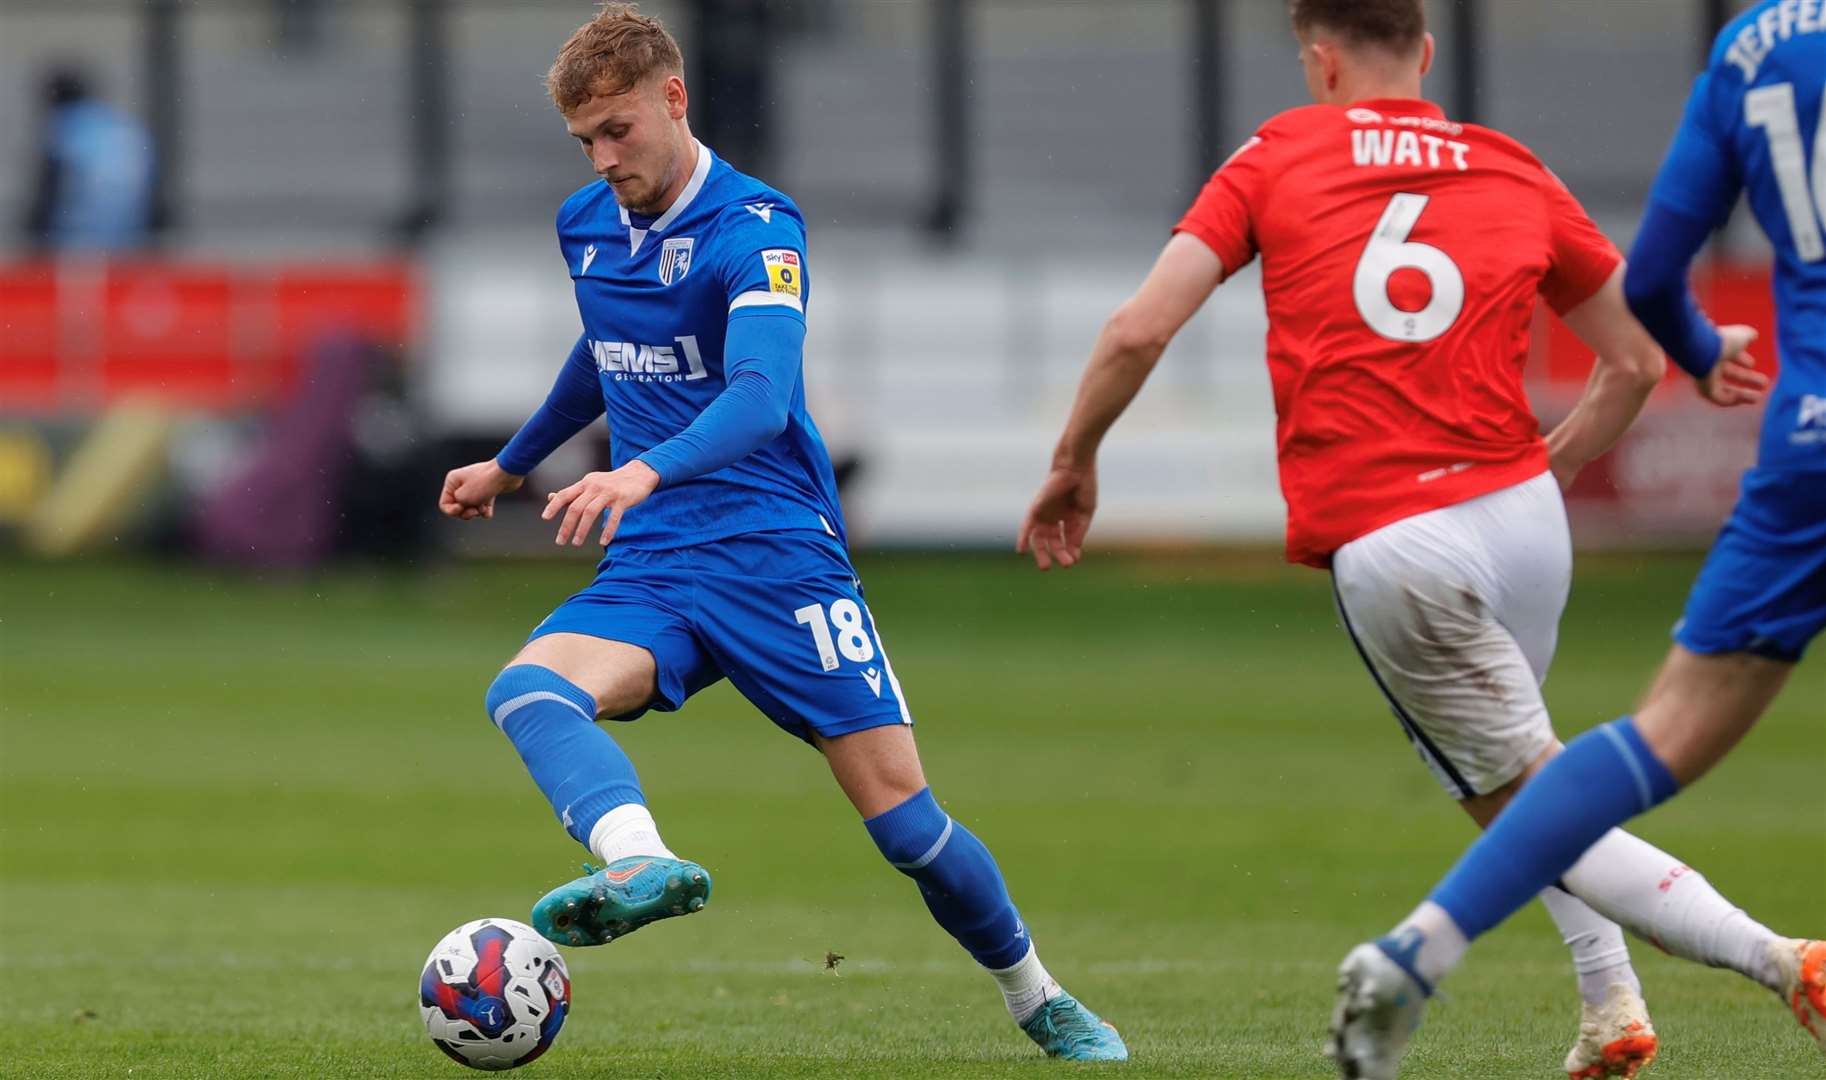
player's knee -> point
(520, 685)
(618, 677)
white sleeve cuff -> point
(762, 298)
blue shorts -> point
(779, 614)
(1763, 588)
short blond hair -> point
(611, 54)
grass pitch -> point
(235, 815)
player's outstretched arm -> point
(1628, 367)
(1692, 195)
(575, 400)
(1125, 354)
(1659, 295)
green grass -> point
(235, 815)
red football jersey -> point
(1401, 257)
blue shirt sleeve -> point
(762, 355)
(1693, 194)
(761, 259)
(1657, 290)
(575, 401)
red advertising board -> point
(76, 336)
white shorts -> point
(1456, 612)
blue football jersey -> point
(1754, 124)
(656, 297)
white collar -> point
(692, 187)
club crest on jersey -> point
(674, 259)
(783, 270)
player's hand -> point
(584, 501)
(1734, 380)
(470, 492)
(1059, 517)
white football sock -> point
(627, 830)
(1672, 905)
(1026, 986)
(1599, 955)
(1442, 943)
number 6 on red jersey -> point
(1390, 250)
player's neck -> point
(679, 182)
(1376, 90)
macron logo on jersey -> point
(589, 256)
(762, 210)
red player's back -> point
(1401, 257)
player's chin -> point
(631, 195)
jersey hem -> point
(1745, 643)
(1317, 551)
(815, 526)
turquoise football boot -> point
(1066, 1029)
(619, 899)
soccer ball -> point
(494, 994)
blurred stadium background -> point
(985, 180)
(245, 781)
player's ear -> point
(676, 98)
(1331, 64)
(1426, 52)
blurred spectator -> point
(340, 467)
(93, 191)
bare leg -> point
(1701, 706)
(878, 768)
(621, 677)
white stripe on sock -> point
(931, 852)
(512, 705)
(1635, 767)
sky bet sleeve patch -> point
(783, 270)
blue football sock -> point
(957, 876)
(552, 723)
(1603, 778)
